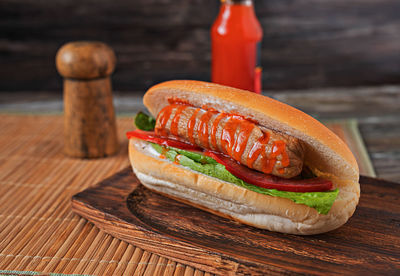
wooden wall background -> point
(307, 43)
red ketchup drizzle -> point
(241, 139)
(172, 101)
(278, 148)
(205, 107)
(190, 125)
(214, 127)
(267, 163)
(163, 119)
(257, 149)
(231, 144)
(175, 120)
(228, 135)
(234, 135)
(202, 128)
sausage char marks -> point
(254, 146)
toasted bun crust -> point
(326, 155)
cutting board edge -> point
(220, 265)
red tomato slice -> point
(270, 181)
(150, 136)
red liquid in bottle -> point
(236, 41)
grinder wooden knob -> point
(89, 118)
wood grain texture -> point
(369, 243)
(306, 43)
(85, 60)
(89, 118)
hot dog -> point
(264, 150)
(245, 156)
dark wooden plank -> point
(369, 243)
(306, 43)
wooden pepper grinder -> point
(89, 119)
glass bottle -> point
(236, 43)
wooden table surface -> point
(377, 110)
(39, 229)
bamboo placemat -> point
(38, 232)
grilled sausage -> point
(258, 148)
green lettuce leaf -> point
(144, 122)
(321, 201)
(198, 157)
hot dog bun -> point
(326, 155)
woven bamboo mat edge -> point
(28, 273)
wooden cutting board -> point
(369, 243)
